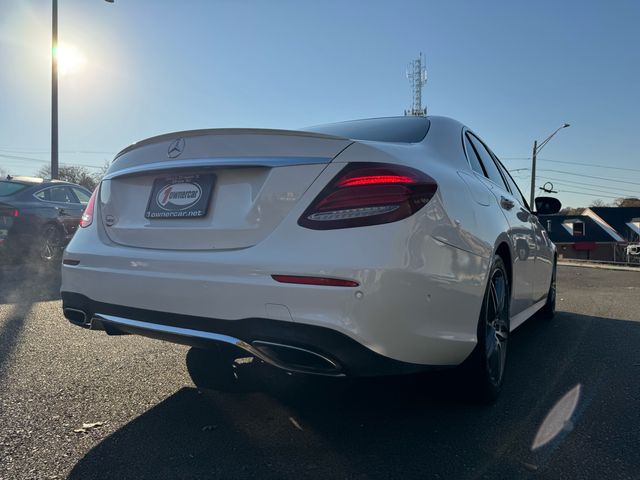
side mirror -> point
(547, 205)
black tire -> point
(485, 367)
(49, 249)
(549, 310)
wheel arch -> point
(504, 251)
(54, 223)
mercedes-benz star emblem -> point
(175, 148)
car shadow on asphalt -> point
(21, 285)
(23, 282)
(417, 426)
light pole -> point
(536, 150)
(54, 87)
(54, 90)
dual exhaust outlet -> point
(286, 357)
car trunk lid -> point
(210, 190)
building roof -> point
(618, 218)
(559, 228)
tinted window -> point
(82, 195)
(473, 158)
(515, 190)
(487, 162)
(42, 194)
(56, 194)
(396, 129)
(9, 188)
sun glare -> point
(70, 59)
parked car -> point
(368, 247)
(38, 217)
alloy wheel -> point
(49, 247)
(497, 327)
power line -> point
(523, 176)
(43, 151)
(588, 194)
(561, 187)
(590, 176)
(28, 159)
(587, 185)
(39, 160)
(608, 167)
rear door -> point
(67, 208)
(520, 228)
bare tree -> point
(571, 211)
(102, 171)
(74, 174)
(627, 202)
(598, 203)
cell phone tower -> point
(417, 75)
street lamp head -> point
(564, 125)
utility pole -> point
(54, 90)
(536, 150)
(533, 175)
(54, 87)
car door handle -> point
(506, 203)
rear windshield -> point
(394, 129)
(9, 188)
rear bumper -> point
(289, 346)
(417, 301)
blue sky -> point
(512, 71)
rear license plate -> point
(180, 196)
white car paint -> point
(421, 279)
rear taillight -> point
(87, 216)
(369, 194)
(9, 212)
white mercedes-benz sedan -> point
(369, 247)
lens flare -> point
(70, 59)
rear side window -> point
(473, 158)
(9, 188)
(487, 161)
(56, 194)
(82, 195)
(515, 190)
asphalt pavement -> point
(81, 405)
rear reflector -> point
(304, 280)
(365, 194)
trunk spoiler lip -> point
(218, 162)
(223, 131)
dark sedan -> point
(38, 217)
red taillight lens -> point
(369, 194)
(87, 216)
(304, 280)
(9, 212)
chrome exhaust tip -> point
(297, 359)
(77, 317)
